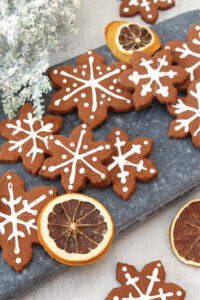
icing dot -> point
(16, 251)
(126, 9)
(83, 95)
(115, 81)
(8, 177)
(197, 27)
(101, 102)
(64, 156)
(117, 132)
(72, 144)
(159, 265)
(75, 84)
(125, 189)
(94, 158)
(128, 101)
(179, 293)
(64, 80)
(89, 52)
(149, 16)
(44, 168)
(85, 66)
(75, 99)
(109, 99)
(68, 89)
(152, 171)
(108, 68)
(85, 146)
(146, 142)
(51, 137)
(124, 269)
(66, 170)
(111, 87)
(103, 95)
(18, 260)
(55, 72)
(98, 68)
(81, 171)
(100, 73)
(75, 70)
(70, 187)
(84, 126)
(123, 67)
(103, 176)
(50, 192)
(107, 147)
(86, 104)
(167, 47)
(83, 73)
(119, 91)
(91, 117)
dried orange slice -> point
(123, 38)
(185, 233)
(75, 229)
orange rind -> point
(185, 234)
(123, 38)
(75, 229)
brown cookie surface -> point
(92, 87)
(129, 162)
(187, 54)
(145, 285)
(153, 77)
(18, 218)
(77, 159)
(187, 113)
(27, 138)
(148, 9)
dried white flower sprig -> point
(29, 29)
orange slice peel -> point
(75, 229)
(123, 38)
(185, 234)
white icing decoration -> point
(8, 177)
(124, 269)
(147, 295)
(55, 72)
(86, 104)
(107, 147)
(64, 80)
(75, 99)
(44, 168)
(179, 293)
(153, 75)
(82, 171)
(31, 135)
(75, 84)
(94, 84)
(18, 260)
(50, 192)
(125, 189)
(146, 142)
(68, 89)
(152, 171)
(182, 107)
(77, 156)
(122, 160)
(14, 217)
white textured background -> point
(145, 242)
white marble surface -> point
(147, 241)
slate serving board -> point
(178, 163)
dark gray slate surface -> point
(178, 163)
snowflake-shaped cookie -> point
(187, 54)
(153, 77)
(92, 87)
(129, 162)
(77, 159)
(145, 285)
(27, 138)
(187, 112)
(18, 218)
(148, 9)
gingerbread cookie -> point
(18, 218)
(153, 77)
(129, 162)
(147, 9)
(187, 54)
(77, 159)
(145, 285)
(27, 138)
(187, 113)
(92, 87)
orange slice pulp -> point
(75, 229)
(185, 234)
(123, 38)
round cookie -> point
(148, 9)
(18, 218)
(27, 138)
(92, 87)
(153, 77)
(77, 159)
